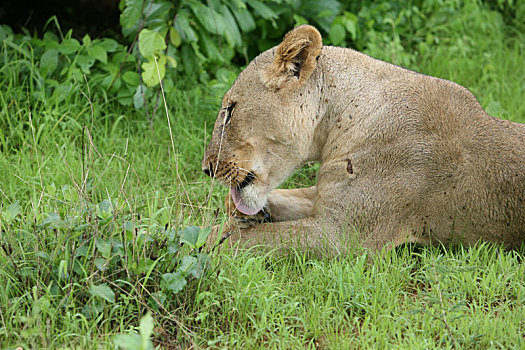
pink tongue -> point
(240, 205)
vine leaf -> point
(151, 43)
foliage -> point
(203, 35)
(139, 341)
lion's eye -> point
(227, 113)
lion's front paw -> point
(241, 220)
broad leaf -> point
(69, 46)
(102, 291)
(11, 211)
(212, 21)
(146, 325)
(85, 63)
(171, 61)
(175, 38)
(131, 13)
(231, 31)
(131, 78)
(105, 209)
(138, 97)
(99, 53)
(337, 34)
(174, 281)
(49, 61)
(350, 22)
(244, 19)
(150, 43)
(109, 45)
(187, 265)
(150, 75)
(194, 236)
(211, 47)
(104, 247)
(263, 10)
(128, 341)
(183, 26)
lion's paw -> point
(241, 220)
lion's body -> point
(404, 156)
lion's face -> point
(259, 136)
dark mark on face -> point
(349, 167)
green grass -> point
(63, 161)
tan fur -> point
(404, 157)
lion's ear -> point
(295, 58)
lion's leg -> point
(308, 234)
(293, 204)
(313, 234)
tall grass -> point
(92, 194)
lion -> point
(405, 157)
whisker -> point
(275, 155)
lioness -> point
(404, 157)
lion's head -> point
(265, 127)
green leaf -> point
(146, 325)
(109, 45)
(211, 47)
(350, 22)
(86, 40)
(85, 63)
(263, 10)
(299, 20)
(211, 20)
(244, 19)
(175, 282)
(102, 291)
(131, 13)
(150, 75)
(128, 341)
(104, 209)
(187, 264)
(53, 220)
(131, 78)
(51, 189)
(104, 247)
(202, 262)
(231, 31)
(101, 264)
(157, 300)
(61, 92)
(69, 193)
(184, 27)
(171, 61)
(138, 97)
(494, 109)
(69, 46)
(195, 236)
(193, 265)
(190, 236)
(175, 38)
(49, 61)
(125, 96)
(11, 211)
(322, 12)
(337, 34)
(6, 33)
(50, 40)
(99, 53)
(150, 43)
